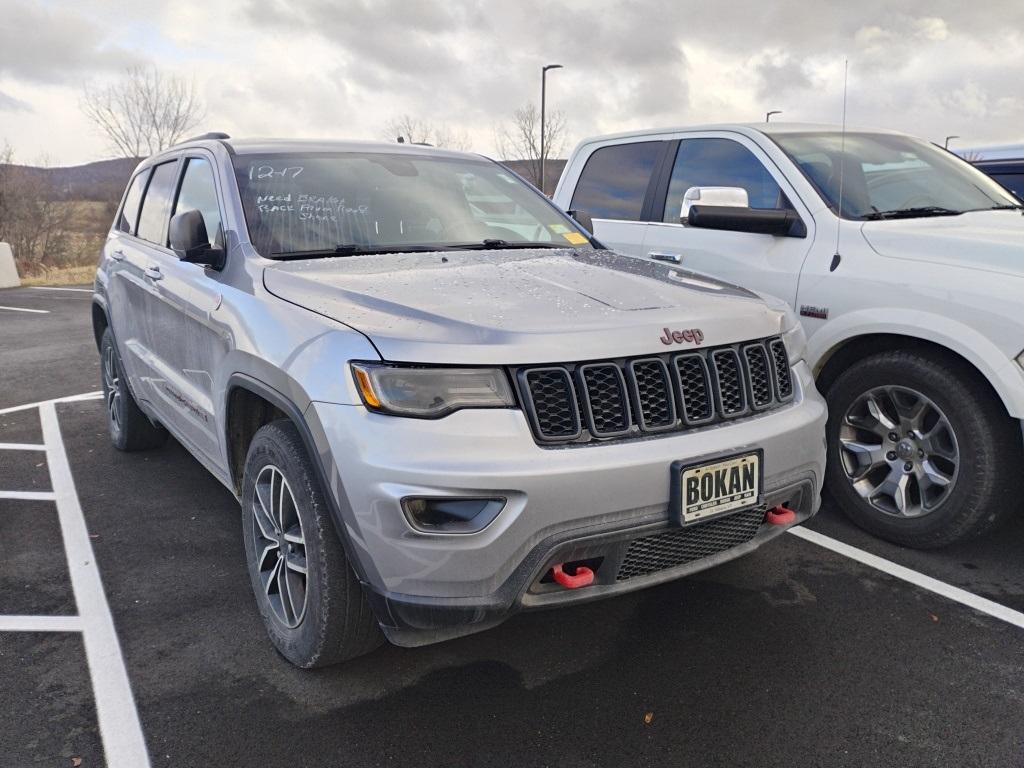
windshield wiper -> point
(496, 244)
(349, 249)
(911, 213)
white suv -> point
(907, 267)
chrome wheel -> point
(899, 451)
(111, 381)
(279, 546)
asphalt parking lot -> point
(797, 655)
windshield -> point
(353, 202)
(890, 176)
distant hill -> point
(102, 180)
(105, 179)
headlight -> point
(795, 340)
(1020, 359)
(429, 393)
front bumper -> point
(564, 504)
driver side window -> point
(198, 192)
(720, 163)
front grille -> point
(756, 360)
(732, 394)
(555, 410)
(605, 399)
(652, 388)
(781, 372)
(686, 545)
(580, 402)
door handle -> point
(153, 272)
(117, 255)
(675, 258)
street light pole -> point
(768, 115)
(949, 139)
(543, 95)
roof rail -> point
(205, 136)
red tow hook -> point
(582, 577)
(780, 516)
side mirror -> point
(583, 219)
(732, 197)
(771, 221)
(190, 241)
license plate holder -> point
(691, 504)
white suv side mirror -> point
(731, 197)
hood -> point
(992, 241)
(520, 306)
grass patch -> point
(78, 275)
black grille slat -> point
(759, 377)
(628, 398)
(652, 390)
(695, 389)
(605, 399)
(729, 386)
(679, 546)
(782, 373)
(555, 411)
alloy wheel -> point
(899, 451)
(111, 383)
(280, 547)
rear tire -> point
(952, 477)
(312, 604)
(130, 429)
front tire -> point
(312, 604)
(130, 429)
(920, 451)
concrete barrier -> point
(8, 271)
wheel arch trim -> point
(1000, 371)
(297, 417)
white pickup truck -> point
(906, 266)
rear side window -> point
(157, 203)
(720, 163)
(129, 215)
(615, 179)
(199, 193)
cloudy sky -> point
(344, 68)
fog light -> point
(451, 515)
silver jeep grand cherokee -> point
(438, 399)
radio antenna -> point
(836, 258)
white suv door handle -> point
(153, 272)
(675, 258)
(117, 255)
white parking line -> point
(40, 624)
(23, 309)
(962, 596)
(69, 399)
(55, 288)
(29, 495)
(123, 743)
(21, 447)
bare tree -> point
(417, 131)
(143, 112)
(6, 159)
(33, 217)
(520, 140)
